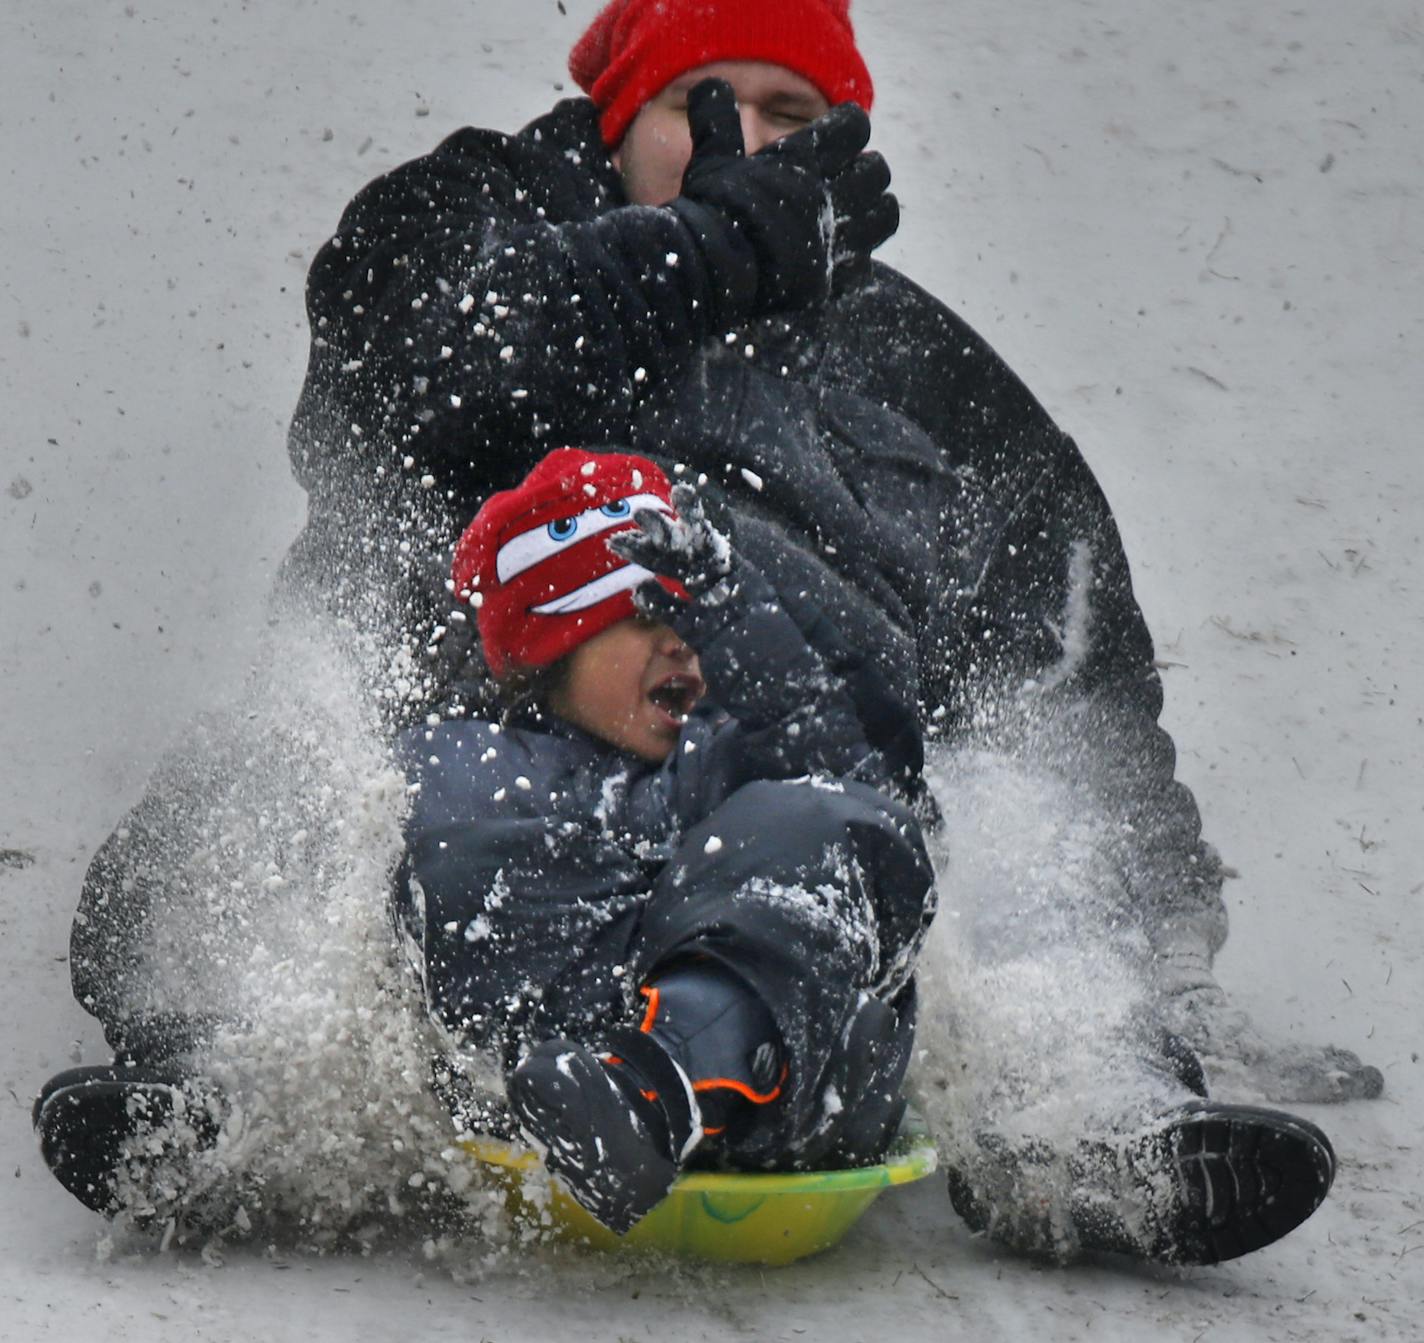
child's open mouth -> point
(676, 695)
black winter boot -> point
(91, 1121)
(1210, 1182)
(615, 1126)
(618, 1123)
(868, 1075)
(1207, 1182)
(723, 1038)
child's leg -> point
(512, 950)
(815, 899)
(775, 955)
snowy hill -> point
(1195, 232)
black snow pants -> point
(817, 895)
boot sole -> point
(1237, 1178)
(1249, 1176)
(83, 1129)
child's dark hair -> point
(523, 689)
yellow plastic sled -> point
(731, 1217)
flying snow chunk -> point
(752, 479)
(478, 929)
(713, 845)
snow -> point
(1195, 233)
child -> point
(671, 890)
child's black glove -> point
(687, 548)
(775, 226)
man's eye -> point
(562, 528)
(619, 508)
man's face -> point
(633, 685)
(774, 101)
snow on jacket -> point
(540, 840)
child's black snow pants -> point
(816, 895)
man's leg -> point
(1074, 1121)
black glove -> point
(774, 227)
(687, 548)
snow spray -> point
(1034, 1029)
(272, 917)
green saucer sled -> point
(731, 1217)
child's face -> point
(632, 685)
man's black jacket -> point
(499, 297)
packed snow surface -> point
(1196, 234)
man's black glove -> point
(774, 227)
(687, 548)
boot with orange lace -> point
(617, 1122)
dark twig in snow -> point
(939, 1291)
(1202, 373)
(1238, 172)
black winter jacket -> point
(499, 297)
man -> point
(680, 264)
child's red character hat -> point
(535, 562)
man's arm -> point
(496, 290)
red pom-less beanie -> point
(535, 562)
(635, 48)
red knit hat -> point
(535, 562)
(635, 48)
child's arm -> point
(795, 711)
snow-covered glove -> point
(1241, 1063)
(773, 226)
(688, 548)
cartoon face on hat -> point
(535, 561)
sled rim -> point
(911, 1157)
